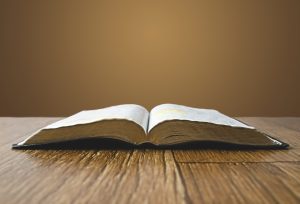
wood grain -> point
(150, 175)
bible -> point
(166, 124)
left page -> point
(86, 124)
(132, 112)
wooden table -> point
(150, 175)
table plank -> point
(106, 176)
(242, 182)
(149, 175)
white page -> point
(166, 112)
(132, 112)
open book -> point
(166, 124)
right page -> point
(174, 124)
(167, 112)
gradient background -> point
(240, 57)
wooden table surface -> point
(150, 175)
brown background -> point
(59, 57)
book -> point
(165, 124)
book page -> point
(132, 112)
(166, 112)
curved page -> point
(167, 112)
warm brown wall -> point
(241, 57)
